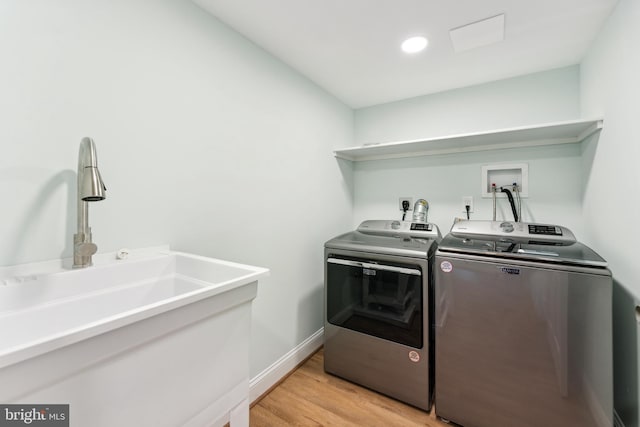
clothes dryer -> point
(379, 308)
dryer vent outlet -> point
(401, 203)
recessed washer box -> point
(504, 175)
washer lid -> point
(500, 247)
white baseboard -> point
(281, 367)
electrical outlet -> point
(408, 199)
(467, 201)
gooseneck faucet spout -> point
(91, 188)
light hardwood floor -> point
(311, 397)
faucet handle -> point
(86, 248)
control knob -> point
(507, 227)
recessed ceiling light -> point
(414, 44)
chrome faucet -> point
(90, 189)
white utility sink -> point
(146, 299)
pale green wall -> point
(205, 142)
(554, 172)
(537, 98)
(609, 86)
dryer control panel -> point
(400, 229)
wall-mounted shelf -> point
(566, 132)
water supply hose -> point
(511, 202)
(517, 190)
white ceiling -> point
(351, 48)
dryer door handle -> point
(380, 267)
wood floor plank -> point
(303, 412)
(356, 406)
(316, 369)
(311, 397)
(263, 417)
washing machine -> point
(379, 308)
(523, 328)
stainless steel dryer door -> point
(376, 331)
(378, 299)
(522, 344)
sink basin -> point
(43, 311)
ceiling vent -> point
(477, 34)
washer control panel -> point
(506, 227)
(547, 230)
(516, 231)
